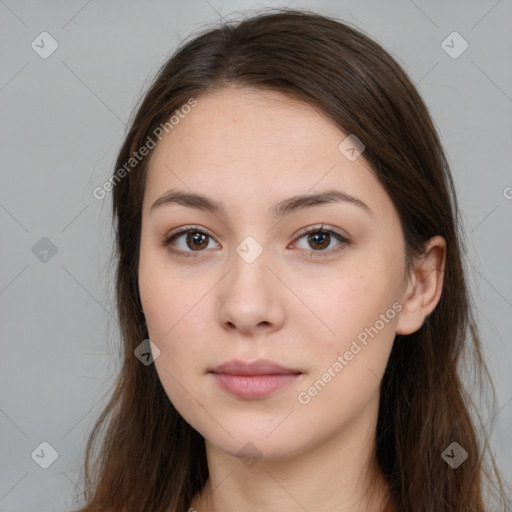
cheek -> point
(167, 298)
(363, 328)
(175, 319)
(354, 299)
(174, 322)
(348, 366)
(360, 308)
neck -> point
(338, 473)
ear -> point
(424, 287)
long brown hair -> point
(149, 458)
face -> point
(314, 287)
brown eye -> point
(188, 241)
(196, 240)
(319, 239)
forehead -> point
(238, 143)
(238, 123)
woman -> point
(288, 239)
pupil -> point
(323, 238)
(196, 238)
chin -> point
(255, 444)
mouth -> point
(253, 380)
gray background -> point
(63, 119)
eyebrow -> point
(278, 210)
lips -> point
(253, 380)
(259, 367)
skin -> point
(250, 149)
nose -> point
(251, 298)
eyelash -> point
(319, 253)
